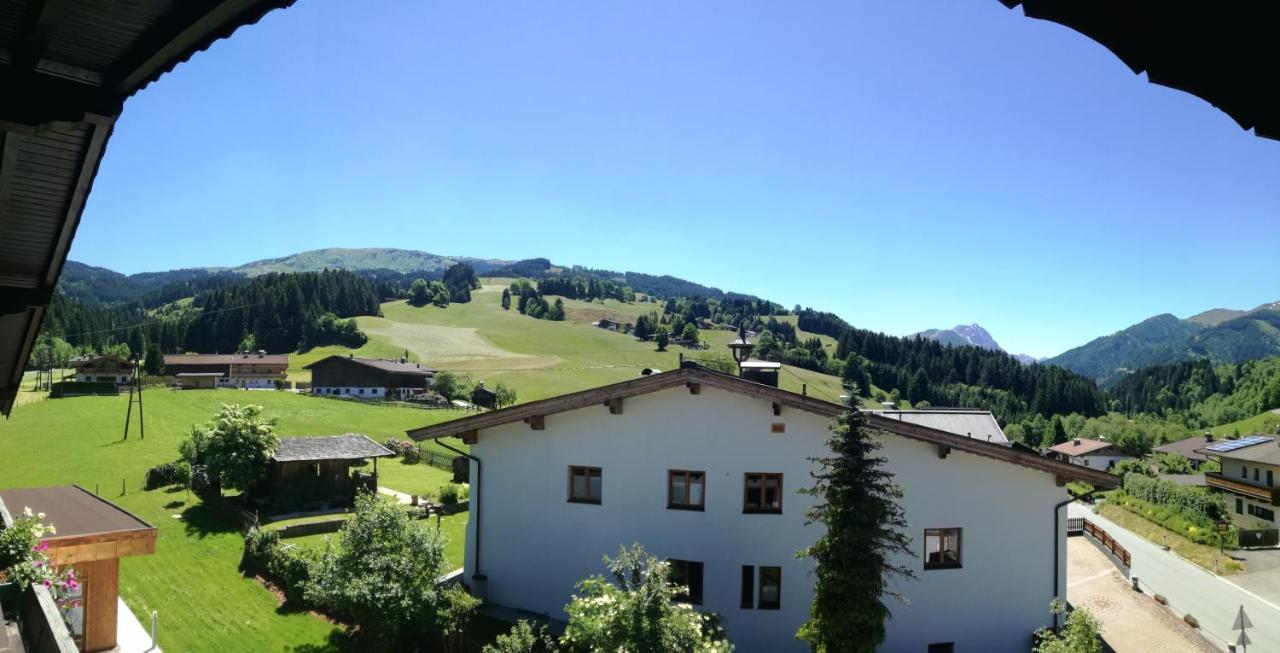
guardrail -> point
(1107, 541)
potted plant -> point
(24, 561)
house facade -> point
(706, 469)
(369, 378)
(103, 369)
(249, 370)
(1249, 476)
(1097, 454)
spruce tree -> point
(506, 299)
(863, 545)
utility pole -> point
(135, 388)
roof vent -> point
(1208, 436)
(1077, 442)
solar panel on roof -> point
(1232, 445)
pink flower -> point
(47, 583)
(43, 546)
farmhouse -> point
(1098, 454)
(318, 468)
(369, 378)
(258, 370)
(102, 369)
(706, 469)
(1250, 467)
(93, 534)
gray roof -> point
(384, 365)
(1188, 448)
(977, 424)
(352, 446)
(1267, 452)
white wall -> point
(537, 545)
(1099, 462)
(354, 391)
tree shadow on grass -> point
(338, 640)
(174, 505)
(203, 519)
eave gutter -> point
(475, 507)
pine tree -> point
(663, 337)
(863, 543)
(506, 299)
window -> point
(941, 548)
(1270, 479)
(1255, 475)
(584, 484)
(762, 493)
(361, 391)
(1261, 513)
(1239, 506)
(943, 647)
(688, 575)
(1244, 472)
(770, 588)
(685, 489)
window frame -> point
(587, 470)
(689, 565)
(760, 602)
(942, 533)
(688, 477)
(748, 591)
(747, 508)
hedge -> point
(1196, 504)
(175, 473)
(288, 568)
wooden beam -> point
(1060, 481)
(943, 451)
(777, 408)
(694, 388)
(615, 406)
(537, 422)
(470, 437)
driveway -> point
(1192, 590)
(1131, 621)
(1263, 575)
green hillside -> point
(379, 258)
(538, 358)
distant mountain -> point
(960, 335)
(970, 334)
(1219, 335)
(92, 284)
(379, 258)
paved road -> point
(1190, 589)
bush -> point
(408, 451)
(174, 473)
(1196, 504)
(452, 493)
(1196, 530)
(288, 568)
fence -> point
(1107, 542)
(1075, 526)
(436, 459)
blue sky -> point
(905, 164)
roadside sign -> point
(1242, 621)
(1223, 526)
(1243, 640)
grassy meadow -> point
(203, 602)
(538, 358)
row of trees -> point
(579, 287)
(529, 301)
(455, 287)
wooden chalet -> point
(369, 378)
(318, 468)
(103, 369)
(258, 370)
(92, 535)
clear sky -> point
(905, 164)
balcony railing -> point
(1269, 494)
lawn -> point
(1261, 423)
(192, 579)
(1200, 554)
(422, 480)
(538, 358)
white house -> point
(705, 469)
(1098, 454)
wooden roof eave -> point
(469, 425)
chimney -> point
(1076, 442)
(1208, 436)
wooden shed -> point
(92, 535)
(319, 467)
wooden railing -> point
(1107, 542)
(1217, 480)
